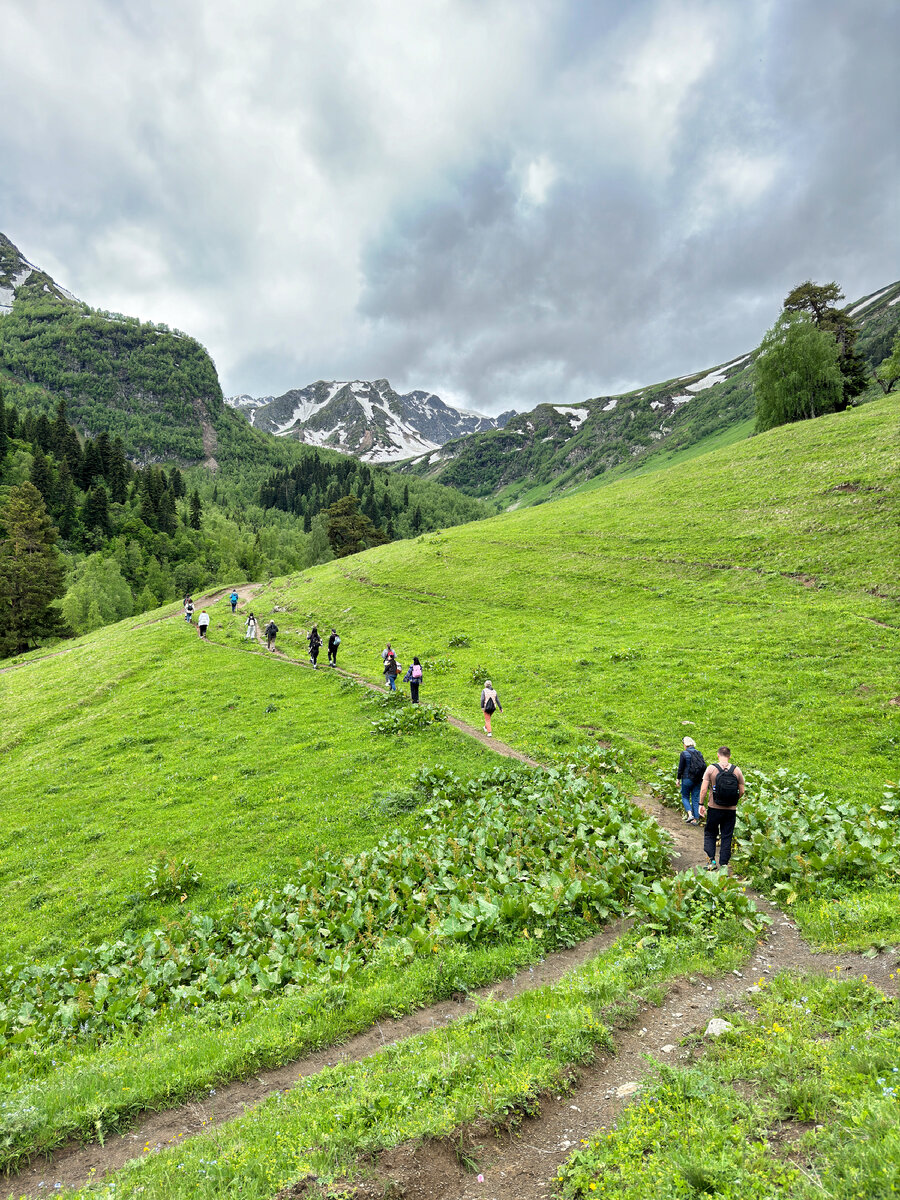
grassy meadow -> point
(748, 596)
(143, 741)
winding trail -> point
(519, 1166)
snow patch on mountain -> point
(365, 418)
(577, 415)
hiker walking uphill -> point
(490, 703)
(413, 677)
(391, 671)
(188, 610)
(250, 629)
(727, 784)
(203, 623)
(271, 634)
(333, 642)
(234, 597)
(315, 645)
(691, 769)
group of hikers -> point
(712, 791)
(391, 666)
(202, 619)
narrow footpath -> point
(519, 1166)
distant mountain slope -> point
(367, 419)
(556, 447)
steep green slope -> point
(557, 448)
(747, 596)
(139, 740)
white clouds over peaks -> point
(500, 197)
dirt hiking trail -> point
(517, 1165)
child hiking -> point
(315, 645)
(490, 703)
(727, 784)
(691, 769)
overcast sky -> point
(503, 201)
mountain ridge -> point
(365, 418)
(554, 447)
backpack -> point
(271, 629)
(416, 671)
(696, 765)
(726, 789)
(336, 640)
(489, 705)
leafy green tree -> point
(98, 585)
(820, 301)
(888, 371)
(797, 375)
(32, 573)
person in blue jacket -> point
(234, 597)
(691, 766)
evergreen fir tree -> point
(117, 472)
(42, 475)
(168, 522)
(176, 483)
(4, 440)
(31, 573)
(196, 510)
(95, 510)
(65, 510)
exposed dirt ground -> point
(520, 1164)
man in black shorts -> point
(727, 784)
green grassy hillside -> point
(747, 596)
(557, 449)
(141, 741)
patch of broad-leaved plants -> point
(792, 841)
(513, 854)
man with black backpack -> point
(691, 769)
(727, 784)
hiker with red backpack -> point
(691, 769)
(726, 783)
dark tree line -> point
(380, 496)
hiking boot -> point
(711, 865)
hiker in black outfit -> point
(727, 784)
(333, 642)
(271, 634)
(691, 769)
(315, 645)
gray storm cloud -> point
(503, 202)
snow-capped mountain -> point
(367, 419)
(16, 272)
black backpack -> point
(726, 789)
(696, 765)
